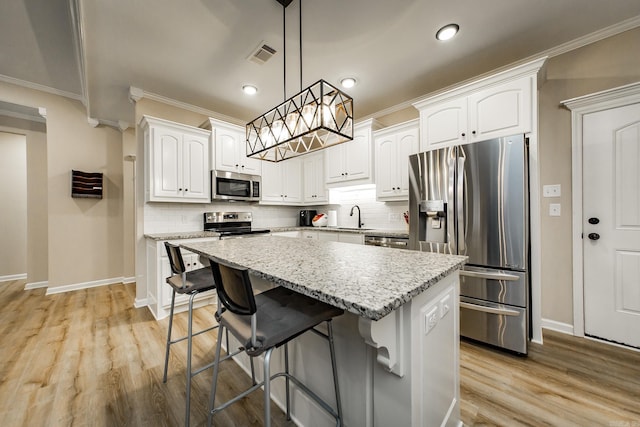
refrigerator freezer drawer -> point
(500, 286)
(497, 324)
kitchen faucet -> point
(360, 224)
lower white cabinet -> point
(158, 269)
(333, 236)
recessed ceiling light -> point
(348, 82)
(249, 89)
(447, 32)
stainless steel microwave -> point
(235, 186)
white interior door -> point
(611, 224)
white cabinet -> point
(333, 236)
(229, 148)
(158, 269)
(286, 233)
(351, 163)
(315, 190)
(393, 146)
(282, 182)
(176, 162)
(485, 110)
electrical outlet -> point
(430, 319)
(554, 209)
(551, 190)
(445, 305)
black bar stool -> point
(190, 283)
(264, 322)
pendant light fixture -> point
(317, 117)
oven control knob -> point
(594, 236)
(594, 221)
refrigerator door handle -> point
(461, 229)
(491, 310)
(451, 215)
(493, 276)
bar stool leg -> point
(286, 370)
(189, 345)
(335, 371)
(166, 357)
(214, 382)
(267, 387)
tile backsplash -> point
(178, 217)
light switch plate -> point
(554, 209)
(551, 190)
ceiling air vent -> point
(262, 53)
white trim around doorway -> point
(599, 101)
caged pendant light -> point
(317, 117)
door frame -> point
(599, 101)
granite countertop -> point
(365, 280)
(368, 231)
(179, 235)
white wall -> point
(13, 205)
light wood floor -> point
(88, 358)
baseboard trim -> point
(13, 277)
(141, 302)
(36, 285)
(128, 280)
(553, 325)
(85, 285)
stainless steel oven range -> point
(232, 225)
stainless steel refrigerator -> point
(473, 200)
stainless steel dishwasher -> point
(387, 242)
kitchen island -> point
(397, 344)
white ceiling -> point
(194, 51)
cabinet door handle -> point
(473, 132)
(464, 134)
(179, 189)
(186, 189)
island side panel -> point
(428, 392)
(310, 361)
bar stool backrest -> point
(235, 292)
(175, 258)
(234, 288)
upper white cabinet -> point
(315, 190)
(229, 148)
(492, 107)
(393, 145)
(282, 182)
(176, 162)
(351, 163)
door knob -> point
(594, 221)
(594, 236)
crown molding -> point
(136, 94)
(612, 30)
(79, 48)
(41, 88)
(606, 99)
(23, 116)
